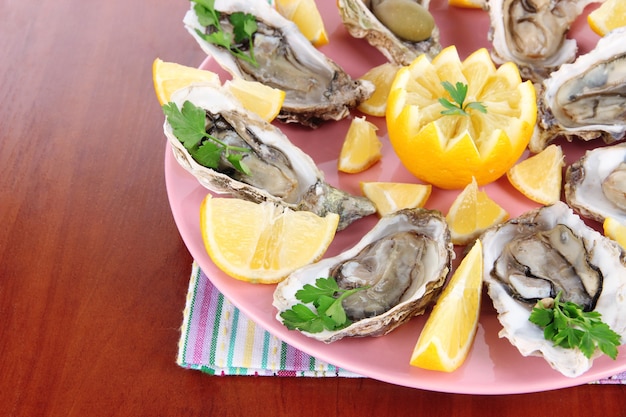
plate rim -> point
(173, 170)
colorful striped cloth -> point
(218, 339)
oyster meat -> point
(533, 34)
(316, 88)
(595, 185)
(405, 260)
(587, 98)
(541, 253)
(280, 171)
(364, 19)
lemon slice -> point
(539, 177)
(610, 15)
(254, 96)
(259, 98)
(449, 150)
(468, 4)
(389, 197)
(306, 15)
(471, 213)
(448, 334)
(381, 76)
(262, 242)
(168, 77)
(361, 147)
(615, 230)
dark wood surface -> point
(93, 272)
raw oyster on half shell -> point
(587, 98)
(405, 260)
(533, 34)
(280, 171)
(595, 185)
(540, 253)
(316, 88)
(362, 20)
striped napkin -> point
(216, 338)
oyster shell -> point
(361, 22)
(316, 88)
(539, 253)
(281, 172)
(405, 258)
(595, 185)
(532, 33)
(585, 99)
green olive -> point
(407, 19)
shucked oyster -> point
(280, 171)
(585, 99)
(540, 253)
(405, 260)
(595, 185)
(533, 34)
(364, 19)
(316, 89)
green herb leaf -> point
(587, 345)
(477, 105)
(567, 325)
(606, 339)
(458, 93)
(244, 28)
(236, 160)
(300, 317)
(217, 38)
(207, 4)
(451, 109)
(542, 317)
(208, 154)
(207, 15)
(323, 286)
(326, 297)
(188, 125)
(331, 307)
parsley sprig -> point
(458, 93)
(244, 27)
(188, 125)
(326, 297)
(567, 325)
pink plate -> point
(493, 366)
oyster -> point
(532, 33)
(595, 185)
(359, 19)
(280, 171)
(540, 253)
(316, 88)
(405, 259)
(585, 99)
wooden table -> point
(93, 272)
